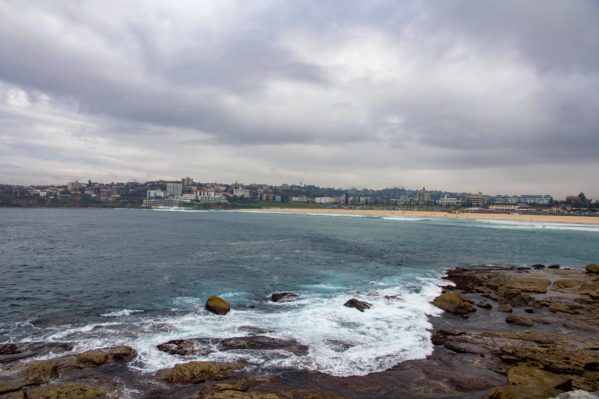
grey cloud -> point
(353, 86)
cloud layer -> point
(456, 95)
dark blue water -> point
(72, 267)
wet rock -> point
(283, 296)
(556, 266)
(216, 304)
(42, 371)
(261, 342)
(526, 284)
(204, 346)
(485, 305)
(67, 391)
(8, 385)
(13, 395)
(592, 268)
(453, 302)
(189, 347)
(538, 266)
(532, 383)
(23, 350)
(520, 320)
(529, 310)
(357, 304)
(195, 372)
(505, 307)
(464, 281)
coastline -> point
(564, 219)
(506, 333)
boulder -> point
(453, 302)
(195, 372)
(520, 320)
(485, 305)
(283, 296)
(592, 268)
(505, 307)
(216, 304)
(538, 266)
(556, 266)
(357, 304)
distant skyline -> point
(498, 97)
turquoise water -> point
(141, 277)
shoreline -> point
(563, 219)
(505, 333)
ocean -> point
(101, 277)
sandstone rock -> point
(357, 304)
(485, 305)
(13, 384)
(527, 284)
(505, 307)
(67, 391)
(217, 305)
(40, 371)
(592, 268)
(520, 320)
(567, 283)
(283, 296)
(454, 302)
(13, 395)
(195, 372)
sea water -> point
(101, 277)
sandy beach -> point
(447, 215)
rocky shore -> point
(529, 333)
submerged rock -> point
(357, 304)
(283, 296)
(520, 320)
(216, 304)
(195, 372)
(454, 302)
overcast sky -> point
(455, 95)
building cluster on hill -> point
(188, 193)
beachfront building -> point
(522, 199)
(174, 189)
(242, 193)
(477, 200)
(450, 201)
(325, 200)
(423, 197)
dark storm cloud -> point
(359, 85)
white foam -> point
(342, 341)
(406, 218)
(120, 313)
(512, 224)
